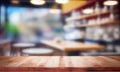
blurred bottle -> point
(98, 20)
(116, 33)
(111, 16)
(105, 9)
(97, 8)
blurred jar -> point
(89, 33)
(103, 20)
(97, 8)
(99, 33)
(78, 14)
(105, 9)
(109, 33)
(84, 21)
(106, 37)
(109, 47)
(117, 47)
(77, 23)
(98, 20)
(116, 33)
(75, 14)
(111, 16)
(91, 21)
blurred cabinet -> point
(5, 46)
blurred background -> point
(88, 21)
(26, 21)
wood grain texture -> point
(60, 61)
(72, 46)
(60, 64)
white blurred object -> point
(15, 18)
(37, 2)
(99, 33)
(55, 11)
(42, 51)
(68, 26)
(98, 20)
(62, 1)
(116, 33)
(75, 35)
(111, 16)
(91, 21)
(23, 45)
(75, 14)
(110, 2)
(88, 11)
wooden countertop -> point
(72, 45)
(60, 61)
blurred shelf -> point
(101, 24)
(110, 22)
(89, 16)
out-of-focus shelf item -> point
(70, 46)
(89, 16)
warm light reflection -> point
(88, 11)
(110, 2)
(54, 11)
(62, 1)
(37, 2)
(15, 1)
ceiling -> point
(26, 3)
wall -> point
(72, 5)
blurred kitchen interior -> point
(59, 27)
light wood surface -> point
(72, 45)
(60, 61)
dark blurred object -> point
(39, 33)
(1, 32)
